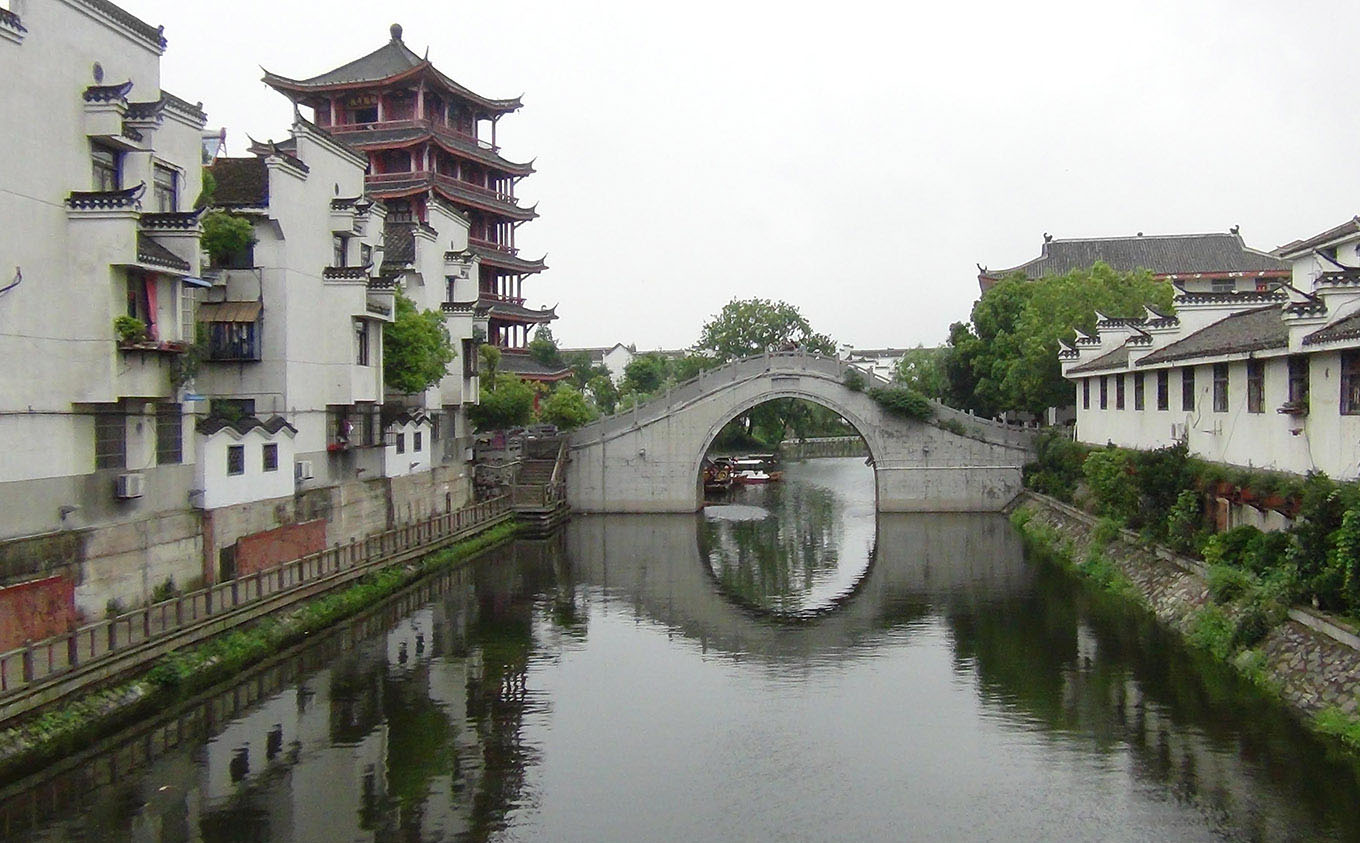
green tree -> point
(491, 359)
(754, 326)
(603, 393)
(543, 348)
(1006, 359)
(225, 235)
(417, 349)
(923, 369)
(567, 408)
(691, 365)
(645, 373)
(505, 401)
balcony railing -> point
(411, 123)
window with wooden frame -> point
(107, 167)
(1298, 381)
(270, 456)
(1350, 383)
(1138, 390)
(1086, 393)
(1256, 386)
(165, 189)
(1220, 387)
(1188, 388)
(1104, 393)
(1163, 389)
(1119, 392)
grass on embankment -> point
(70, 726)
(1243, 612)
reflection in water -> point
(603, 686)
(798, 547)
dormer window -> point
(107, 164)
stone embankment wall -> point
(1312, 661)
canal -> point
(783, 666)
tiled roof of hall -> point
(241, 182)
(394, 138)
(393, 62)
(401, 184)
(506, 260)
(1258, 329)
(1161, 254)
(1346, 328)
(1117, 359)
(516, 362)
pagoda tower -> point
(430, 140)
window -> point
(416, 443)
(472, 358)
(339, 250)
(108, 167)
(1086, 393)
(1188, 389)
(165, 192)
(401, 443)
(370, 427)
(231, 409)
(169, 434)
(1163, 390)
(110, 440)
(364, 115)
(236, 459)
(1256, 386)
(1223, 285)
(365, 254)
(1119, 392)
(270, 453)
(361, 342)
(1350, 383)
(1104, 393)
(188, 312)
(1298, 381)
(1220, 387)
(233, 341)
(1137, 390)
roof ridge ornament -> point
(395, 29)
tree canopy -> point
(567, 408)
(543, 348)
(1007, 357)
(417, 349)
(645, 373)
(754, 326)
(505, 401)
(923, 369)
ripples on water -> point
(667, 677)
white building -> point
(1267, 379)
(99, 169)
(881, 362)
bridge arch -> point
(647, 458)
(877, 449)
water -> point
(669, 678)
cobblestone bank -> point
(1312, 671)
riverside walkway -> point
(44, 671)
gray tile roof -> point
(1252, 330)
(1117, 359)
(1342, 329)
(1176, 254)
(241, 183)
(151, 252)
(399, 243)
(505, 260)
(524, 365)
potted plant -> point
(130, 330)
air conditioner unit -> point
(302, 470)
(130, 485)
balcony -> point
(233, 328)
(479, 197)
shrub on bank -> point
(903, 401)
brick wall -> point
(36, 610)
(272, 547)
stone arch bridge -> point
(648, 458)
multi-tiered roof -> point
(423, 134)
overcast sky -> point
(856, 159)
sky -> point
(855, 159)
